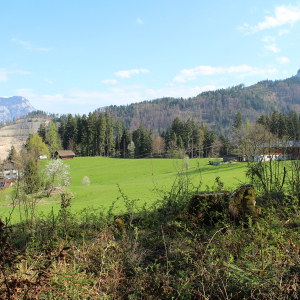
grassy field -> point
(134, 176)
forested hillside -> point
(217, 109)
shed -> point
(65, 154)
(235, 157)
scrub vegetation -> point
(150, 251)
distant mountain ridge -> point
(13, 107)
(217, 109)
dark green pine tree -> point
(140, 139)
(180, 143)
(91, 134)
(42, 132)
(118, 135)
(101, 131)
(237, 123)
(62, 132)
(150, 141)
(227, 147)
(293, 125)
(11, 153)
(125, 141)
(274, 122)
(177, 127)
(70, 133)
(84, 137)
(109, 134)
(282, 125)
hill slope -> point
(217, 108)
(17, 133)
(13, 107)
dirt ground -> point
(7, 142)
(16, 134)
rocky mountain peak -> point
(12, 107)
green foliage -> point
(31, 177)
(237, 123)
(12, 153)
(134, 177)
(36, 145)
(242, 204)
(53, 139)
(144, 254)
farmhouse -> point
(65, 154)
(8, 174)
(235, 157)
(272, 156)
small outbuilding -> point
(65, 154)
(236, 157)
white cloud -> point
(4, 73)
(28, 46)
(283, 60)
(283, 15)
(128, 73)
(43, 49)
(109, 81)
(190, 74)
(268, 39)
(241, 71)
(139, 21)
(20, 72)
(25, 44)
(272, 48)
(283, 31)
(49, 81)
(180, 91)
(81, 101)
(127, 87)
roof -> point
(65, 153)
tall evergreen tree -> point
(118, 135)
(84, 136)
(91, 134)
(237, 123)
(101, 134)
(62, 132)
(109, 134)
(125, 141)
(42, 132)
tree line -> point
(98, 134)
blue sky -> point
(76, 56)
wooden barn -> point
(65, 154)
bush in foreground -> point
(146, 254)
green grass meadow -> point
(134, 176)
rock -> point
(13, 107)
(205, 208)
(242, 203)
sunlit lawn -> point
(134, 177)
